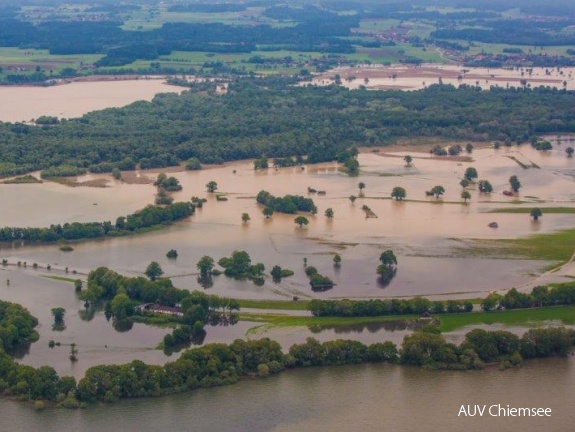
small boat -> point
(493, 225)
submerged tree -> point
(329, 213)
(245, 218)
(337, 260)
(536, 213)
(352, 198)
(484, 186)
(205, 265)
(464, 183)
(268, 212)
(408, 160)
(437, 191)
(514, 183)
(212, 186)
(398, 193)
(470, 174)
(465, 195)
(569, 151)
(301, 221)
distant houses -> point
(156, 308)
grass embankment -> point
(274, 304)
(278, 320)
(565, 314)
(449, 322)
(527, 210)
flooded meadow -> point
(429, 236)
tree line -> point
(148, 217)
(220, 364)
(540, 296)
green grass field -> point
(278, 320)
(274, 304)
(565, 314)
(558, 246)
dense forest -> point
(267, 117)
(16, 326)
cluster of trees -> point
(287, 204)
(388, 267)
(16, 325)
(540, 296)
(239, 266)
(377, 307)
(268, 116)
(146, 218)
(318, 281)
(430, 350)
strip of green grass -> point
(565, 314)
(299, 321)
(274, 304)
(526, 210)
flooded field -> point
(427, 234)
(76, 99)
(406, 77)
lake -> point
(76, 99)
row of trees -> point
(382, 307)
(540, 296)
(220, 364)
(146, 218)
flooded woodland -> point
(434, 240)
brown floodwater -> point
(77, 98)
(428, 235)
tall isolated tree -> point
(212, 186)
(408, 160)
(361, 186)
(205, 265)
(154, 271)
(301, 221)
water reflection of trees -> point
(206, 281)
(384, 280)
(372, 327)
